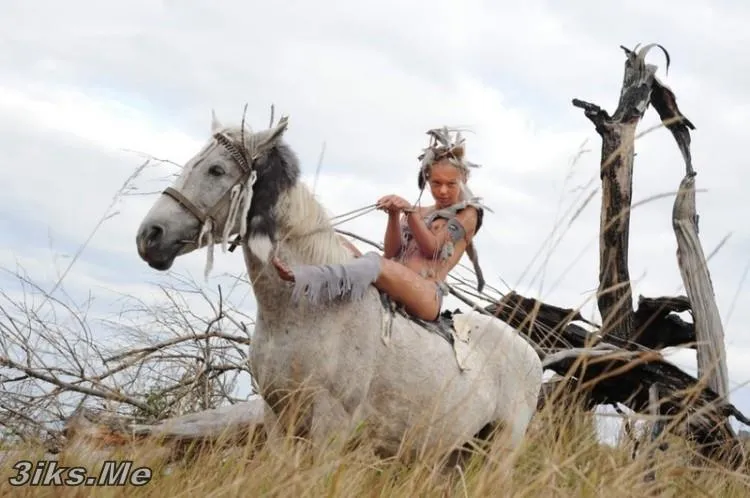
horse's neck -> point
(305, 236)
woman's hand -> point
(393, 204)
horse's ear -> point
(270, 137)
(215, 124)
(277, 131)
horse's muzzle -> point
(154, 249)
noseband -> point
(248, 173)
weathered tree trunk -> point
(619, 375)
(709, 332)
(711, 355)
(614, 297)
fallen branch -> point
(47, 377)
(605, 370)
(657, 325)
(230, 424)
(174, 341)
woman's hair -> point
(444, 148)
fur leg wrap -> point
(349, 280)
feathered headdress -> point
(442, 146)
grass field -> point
(561, 457)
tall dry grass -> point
(561, 457)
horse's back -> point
(503, 346)
(419, 376)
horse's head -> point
(231, 186)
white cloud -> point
(369, 79)
(107, 124)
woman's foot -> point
(282, 269)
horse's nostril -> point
(154, 233)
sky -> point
(89, 90)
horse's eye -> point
(215, 170)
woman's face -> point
(444, 183)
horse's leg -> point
(481, 443)
(273, 433)
(519, 426)
(511, 431)
(331, 423)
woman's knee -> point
(417, 294)
(388, 272)
(426, 306)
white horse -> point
(366, 367)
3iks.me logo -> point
(51, 473)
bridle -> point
(239, 154)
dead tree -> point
(642, 88)
(614, 296)
(619, 361)
(620, 324)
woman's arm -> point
(427, 242)
(392, 244)
(430, 244)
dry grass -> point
(562, 456)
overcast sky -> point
(88, 86)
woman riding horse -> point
(422, 244)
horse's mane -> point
(309, 232)
(283, 209)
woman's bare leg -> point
(408, 288)
(405, 286)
